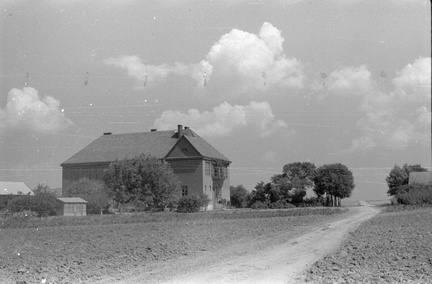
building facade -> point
(192, 159)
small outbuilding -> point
(72, 206)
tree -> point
(143, 179)
(335, 181)
(92, 191)
(400, 176)
(41, 188)
(303, 172)
(238, 196)
(295, 179)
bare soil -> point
(149, 252)
(392, 247)
(282, 257)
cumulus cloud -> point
(224, 119)
(256, 59)
(152, 73)
(244, 60)
(401, 117)
(348, 79)
(26, 109)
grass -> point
(97, 220)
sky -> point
(267, 83)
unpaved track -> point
(283, 262)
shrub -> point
(312, 202)
(414, 194)
(281, 204)
(44, 204)
(189, 204)
(204, 200)
(259, 205)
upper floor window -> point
(207, 168)
(184, 189)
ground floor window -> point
(184, 189)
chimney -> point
(107, 133)
(179, 131)
(153, 130)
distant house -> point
(10, 189)
(189, 155)
(72, 206)
(420, 177)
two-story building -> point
(189, 155)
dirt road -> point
(256, 262)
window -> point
(184, 189)
(205, 187)
(207, 168)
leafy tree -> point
(238, 196)
(335, 181)
(300, 172)
(294, 180)
(143, 179)
(41, 188)
(400, 176)
(93, 191)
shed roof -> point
(420, 177)
(14, 188)
(71, 200)
(108, 148)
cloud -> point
(349, 79)
(144, 74)
(24, 109)
(224, 119)
(401, 117)
(416, 75)
(242, 60)
(255, 59)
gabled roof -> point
(108, 148)
(420, 177)
(204, 148)
(14, 188)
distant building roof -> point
(14, 188)
(110, 147)
(71, 200)
(420, 177)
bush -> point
(414, 194)
(189, 204)
(259, 205)
(281, 204)
(312, 202)
(44, 204)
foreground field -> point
(393, 247)
(83, 253)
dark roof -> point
(420, 177)
(108, 148)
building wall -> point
(190, 174)
(73, 174)
(74, 209)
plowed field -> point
(84, 254)
(393, 247)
